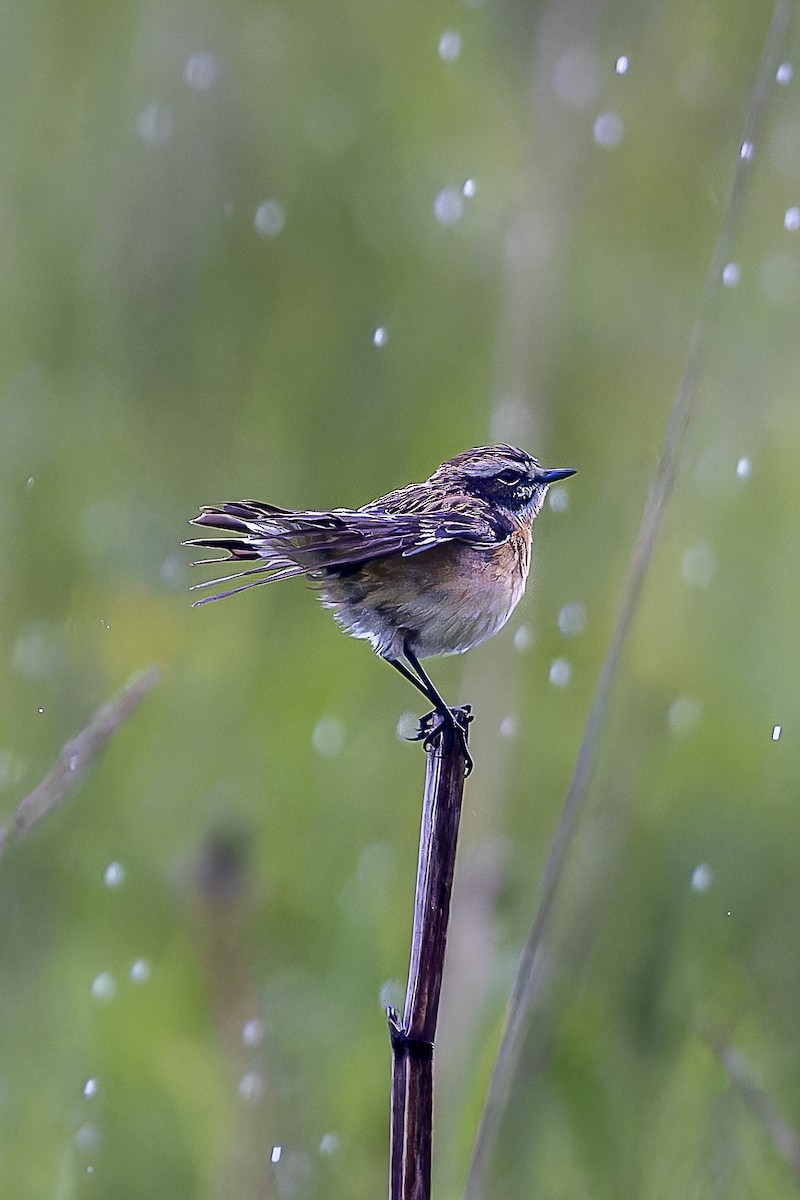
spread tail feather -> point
(285, 573)
(253, 544)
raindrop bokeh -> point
(560, 672)
(328, 737)
(608, 130)
(104, 986)
(448, 207)
(684, 714)
(114, 875)
(201, 71)
(702, 877)
(270, 219)
(450, 45)
(572, 619)
(155, 124)
(699, 566)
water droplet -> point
(155, 124)
(684, 714)
(702, 877)
(392, 993)
(747, 150)
(558, 499)
(380, 337)
(104, 987)
(114, 875)
(523, 639)
(407, 726)
(448, 207)
(270, 219)
(330, 1144)
(572, 619)
(608, 130)
(201, 71)
(172, 571)
(508, 726)
(699, 566)
(251, 1087)
(328, 737)
(731, 274)
(252, 1032)
(90, 1088)
(88, 1138)
(275, 1156)
(776, 732)
(468, 188)
(560, 672)
(784, 73)
(621, 65)
(791, 219)
(140, 970)
(744, 467)
(449, 45)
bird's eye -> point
(510, 478)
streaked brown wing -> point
(294, 542)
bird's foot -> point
(443, 728)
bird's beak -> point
(558, 473)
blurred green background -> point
(207, 213)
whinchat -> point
(432, 568)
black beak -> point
(558, 473)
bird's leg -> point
(442, 715)
(409, 675)
(452, 722)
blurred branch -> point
(78, 755)
(223, 902)
(785, 1137)
(412, 1040)
(527, 982)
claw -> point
(436, 727)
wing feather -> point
(295, 542)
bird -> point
(430, 569)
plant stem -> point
(413, 1038)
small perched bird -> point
(432, 568)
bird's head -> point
(502, 475)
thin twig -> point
(78, 755)
(785, 1137)
(412, 1040)
(526, 983)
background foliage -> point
(207, 211)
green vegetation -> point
(207, 211)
